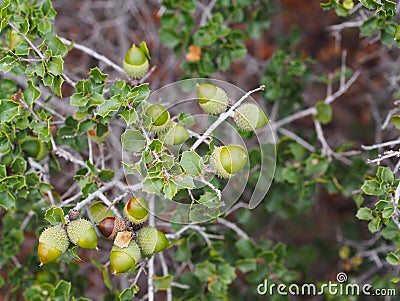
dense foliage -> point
(91, 141)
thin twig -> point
(379, 145)
(297, 138)
(233, 227)
(224, 116)
(94, 54)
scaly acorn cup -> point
(249, 116)
(34, 147)
(82, 234)
(228, 160)
(151, 240)
(212, 99)
(135, 63)
(136, 210)
(52, 243)
(110, 226)
(160, 118)
(175, 135)
(123, 259)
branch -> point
(297, 138)
(379, 145)
(224, 116)
(233, 227)
(94, 54)
(152, 223)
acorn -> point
(176, 134)
(123, 259)
(136, 210)
(53, 242)
(34, 147)
(249, 116)
(160, 118)
(228, 160)
(212, 99)
(82, 234)
(110, 226)
(151, 240)
(136, 61)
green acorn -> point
(228, 160)
(82, 234)
(175, 135)
(110, 226)
(136, 61)
(136, 210)
(151, 240)
(249, 116)
(212, 99)
(123, 259)
(34, 147)
(160, 118)
(52, 243)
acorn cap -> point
(135, 62)
(228, 160)
(82, 234)
(123, 259)
(136, 210)
(110, 226)
(52, 243)
(212, 99)
(175, 135)
(249, 116)
(151, 240)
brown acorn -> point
(110, 226)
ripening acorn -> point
(249, 116)
(34, 147)
(82, 234)
(175, 135)
(136, 210)
(110, 226)
(212, 99)
(160, 118)
(228, 160)
(151, 240)
(123, 259)
(53, 242)
(136, 62)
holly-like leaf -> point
(192, 163)
(162, 283)
(98, 211)
(9, 110)
(133, 140)
(324, 112)
(54, 215)
(128, 293)
(31, 93)
(62, 291)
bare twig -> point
(94, 54)
(297, 138)
(233, 227)
(396, 212)
(379, 145)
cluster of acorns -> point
(132, 239)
